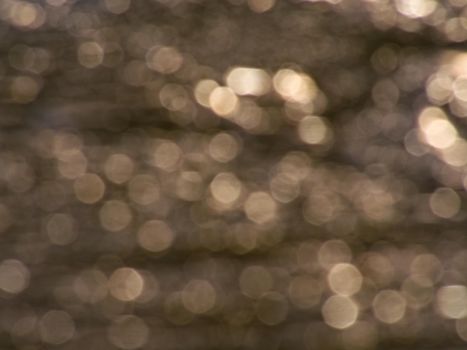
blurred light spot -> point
(452, 301)
(439, 88)
(56, 327)
(284, 188)
(199, 296)
(151, 288)
(244, 239)
(117, 6)
(223, 147)
(445, 202)
(143, 189)
(166, 155)
(260, 208)
(89, 188)
(261, 5)
(345, 279)
(339, 312)
(459, 88)
(27, 15)
(413, 145)
(333, 252)
(305, 291)
(72, 166)
(126, 284)
(18, 174)
(437, 131)
(155, 236)
(416, 8)
(456, 155)
(461, 328)
(251, 117)
(226, 188)
(223, 101)
(25, 326)
(56, 3)
(61, 229)
(164, 59)
(385, 58)
(30, 59)
(248, 81)
(203, 90)
(119, 168)
(389, 306)
(255, 280)
(14, 276)
(66, 144)
(293, 86)
(426, 269)
(174, 97)
(90, 54)
(25, 89)
(314, 130)
(115, 215)
(272, 308)
(128, 332)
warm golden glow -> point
(226, 188)
(452, 301)
(223, 101)
(203, 90)
(345, 279)
(166, 155)
(126, 284)
(437, 131)
(261, 208)
(294, 86)
(248, 81)
(340, 312)
(314, 130)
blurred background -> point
(233, 174)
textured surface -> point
(232, 174)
